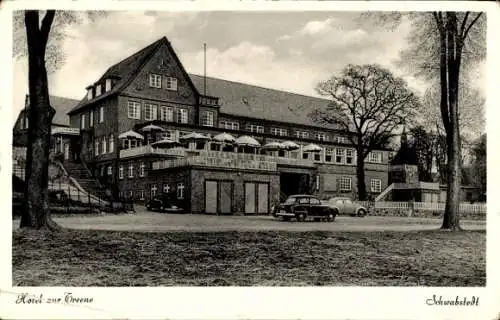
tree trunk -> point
(453, 50)
(360, 174)
(36, 207)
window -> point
(375, 156)
(339, 155)
(153, 190)
(302, 134)
(207, 119)
(141, 169)
(98, 90)
(130, 194)
(171, 83)
(155, 81)
(111, 143)
(101, 114)
(317, 156)
(102, 171)
(376, 185)
(120, 172)
(279, 131)
(329, 155)
(96, 147)
(82, 121)
(91, 118)
(182, 116)
(104, 145)
(314, 200)
(303, 200)
(345, 184)
(321, 136)
(89, 93)
(134, 110)
(110, 170)
(26, 123)
(126, 144)
(166, 113)
(131, 171)
(180, 191)
(141, 194)
(166, 189)
(255, 128)
(341, 139)
(229, 125)
(349, 156)
(150, 111)
(108, 85)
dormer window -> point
(98, 90)
(90, 93)
(108, 85)
(155, 81)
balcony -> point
(221, 160)
(150, 150)
(65, 130)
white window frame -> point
(255, 128)
(182, 115)
(171, 84)
(91, 118)
(302, 134)
(321, 136)
(108, 85)
(166, 113)
(349, 154)
(150, 111)
(82, 121)
(142, 168)
(101, 114)
(120, 172)
(330, 152)
(104, 145)
(135, 107)
(166, 188)
(279, 132)
(376, 185)
(90, 92)
(98, 90)
(96, 147)
(110, 170)
(375, 157)
(345, 184)
(155, 80)
(111, 143)
(339, 154)
(180, 191)
(207, 119)
(130, 170)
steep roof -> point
(62, 106)
(257, 102)
(124, 71)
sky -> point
(290, 51)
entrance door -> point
(225, 197)
(263, 198)
(249, 198)
(210, 196)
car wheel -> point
(331, 216)
(301, 216)
(361, 213)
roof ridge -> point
(259, 86)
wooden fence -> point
(425, 206)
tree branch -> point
(46, 24)
(470, 25)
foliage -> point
(371, 102)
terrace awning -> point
(152, 127)
(312, 148)
(130, 134)
(224, 137)
(247, 141)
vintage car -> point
(302, 207)
(163, 203)
(344, 205)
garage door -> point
(210, 196)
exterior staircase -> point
(84, 179)
(384, 193)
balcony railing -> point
(150, 150)
(65, 130)
(259, 157)
(218, 162)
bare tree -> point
(370, 101)
(442, 45)
(38, 46)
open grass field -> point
(246, 258)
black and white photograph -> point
(277, 148)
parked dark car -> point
(302, 207)
(344, 205)
(163, 204)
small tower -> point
(403, 167)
